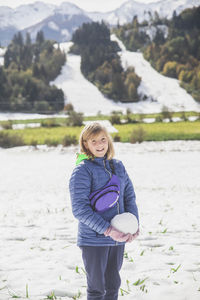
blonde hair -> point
(92, 130)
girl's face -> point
(98, 145)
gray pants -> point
(102, 265)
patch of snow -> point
(28, 125)
(149, 120)
(66, 34)
(176, 119)
(25, 116)
(193, 118)
(1, 61)
(53, 25)
(151, 30)
(2, 53)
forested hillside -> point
(175, 54)
(26, 74)
(101, 64)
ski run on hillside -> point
(160, 90)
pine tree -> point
(40, 37)
(28, 39)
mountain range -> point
(59, 22)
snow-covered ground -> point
(38, 250)
(26, 116)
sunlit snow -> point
(38, 250)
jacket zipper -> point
(110, 174)
(110, 177)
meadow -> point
(59, 133)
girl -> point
(101, 244)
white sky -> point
(88, 5)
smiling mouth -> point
(100, 150)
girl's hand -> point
(116, 235)
(132, 236)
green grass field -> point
(152, 132)
(40, 135)
(162, 131)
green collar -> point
(80, 157)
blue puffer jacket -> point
(91, 175)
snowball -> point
(126, 223)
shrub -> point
(184, 117)
(68, 107)
(141, 118)
(50, 143)
(69, 140)
(115, 119)
(159, 118)
(6, 124)
(34, 143)
(41, 106)
(49, 123)
(75, 119)
(128, 116)
(169, 69)
(8, 140)
(137, 135)
(117, 138)
(166, 113)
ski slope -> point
(164, 91)
(84, 96)
(160, 90)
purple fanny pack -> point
(107, 196)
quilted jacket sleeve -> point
(80, 186)
(129, 196)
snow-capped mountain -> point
(144, 11)
(14, 20)
(59, 26)
(59, 22)
(25, 15)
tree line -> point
(178, 54)
(26, 75)
(101, 64)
